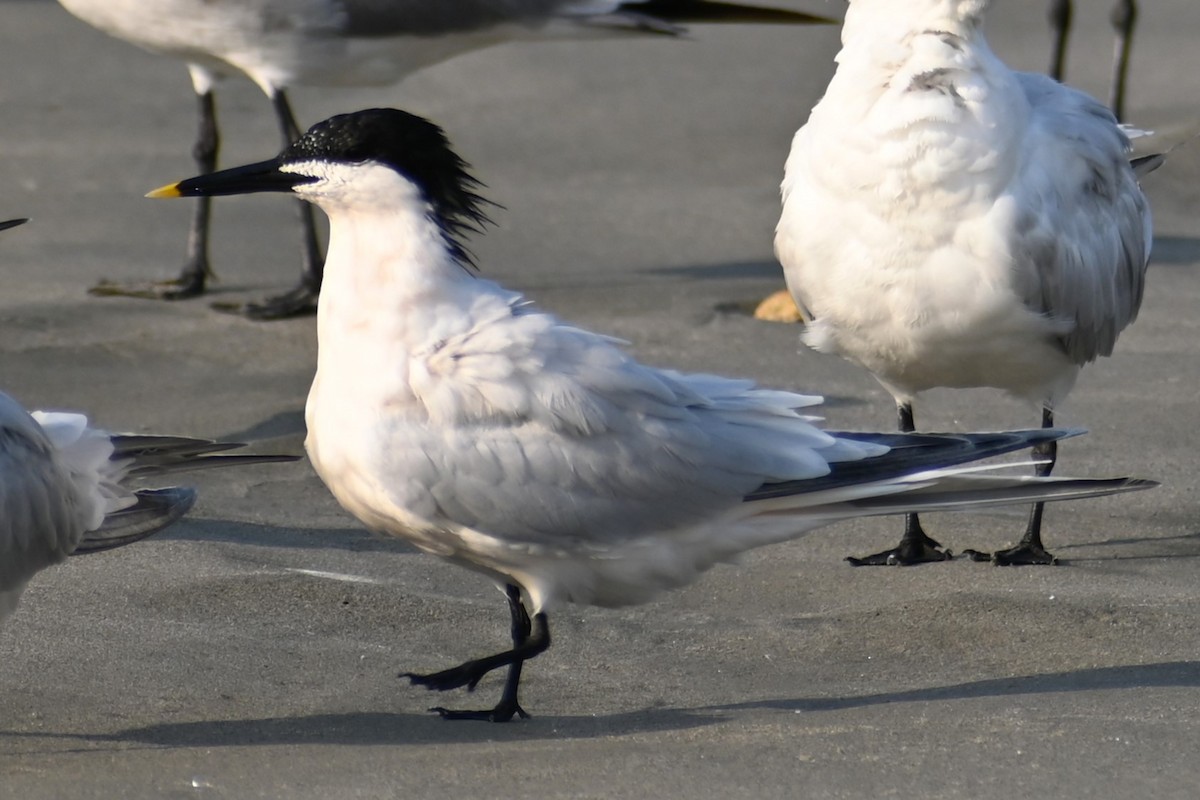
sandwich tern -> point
(282, 43)
(949, 222)
(68, 489)
(453, 413)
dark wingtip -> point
(1147, 164)
(155, 509)
(715, 11)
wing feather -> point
(538, 413)
(1084, 226)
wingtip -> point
(723, 11)
(155, 510)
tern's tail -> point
(953, 490)
(104, 468)
(145, 455)
(145, 512)
(931, 472)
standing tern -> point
(949, 222)
(453, 413)
(283, 43)
(67, 489)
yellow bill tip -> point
(170, 190)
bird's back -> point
(917, 236)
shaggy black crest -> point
(414, 147)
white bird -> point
(284, 43)
(949, 222)
(451, 412)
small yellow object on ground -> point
(779, 307)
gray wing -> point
(539, 432)
(1081, 231)
(40, 517)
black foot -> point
(1024, 554)
(530, 637)
(503, 712)
(907, 553)
(466, 675)
(180, 288)
(299, 302)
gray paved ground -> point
(639, 182)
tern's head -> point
(375, 160)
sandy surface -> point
(640, 189)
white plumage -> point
(453, 413)
(949, 222)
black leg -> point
(1060, 27)
(196, 271)
(301, 300)
(1123, 19)
(915, 546)
(1029, 550)
(529, 639)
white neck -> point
(387, 274)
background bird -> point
(453, 413)
(1124, 19)
(282, 43)
(949, 222)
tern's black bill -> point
(265, 176)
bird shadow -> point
(1183, 539)
(1170, 674)
(245, 533)
(281, 425)
(731, 269)
(373, 728)
(370, 728)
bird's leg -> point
(301, 300)
(196, 271)
(1060, 26)
(529, 639)
(1029, 550)
(915, 546)
(1123, 19)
